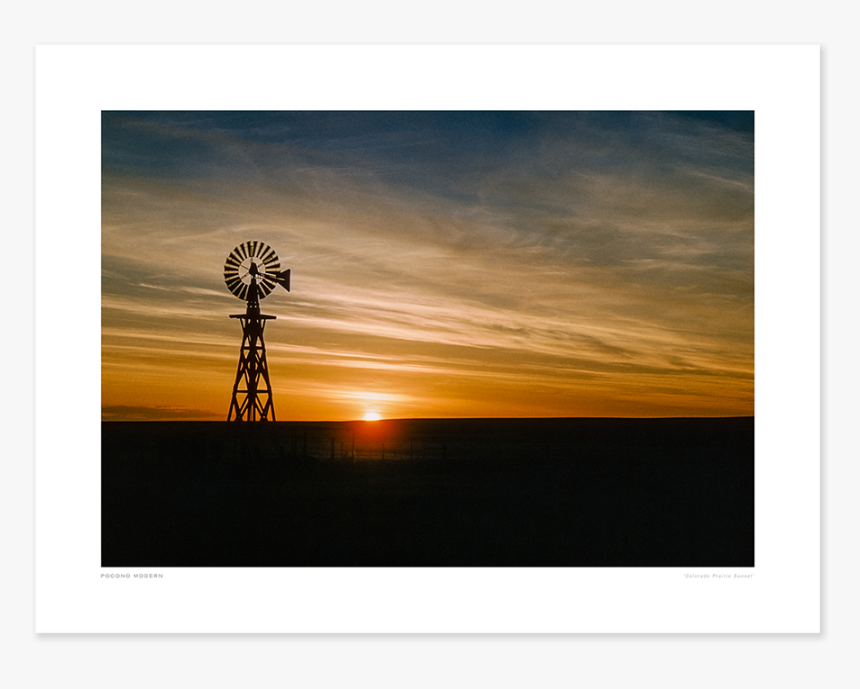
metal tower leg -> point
(252, 391)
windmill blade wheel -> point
(254, 262)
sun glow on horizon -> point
(372, 416)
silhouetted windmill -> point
(251, 272)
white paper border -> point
(74, 83)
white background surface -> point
(74, 84)
(824, 660)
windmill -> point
(252, 271)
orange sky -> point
(443, 264)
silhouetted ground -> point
(464, 492)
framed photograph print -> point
(427, 339)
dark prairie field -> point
(464, 492)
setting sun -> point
(372, 416)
